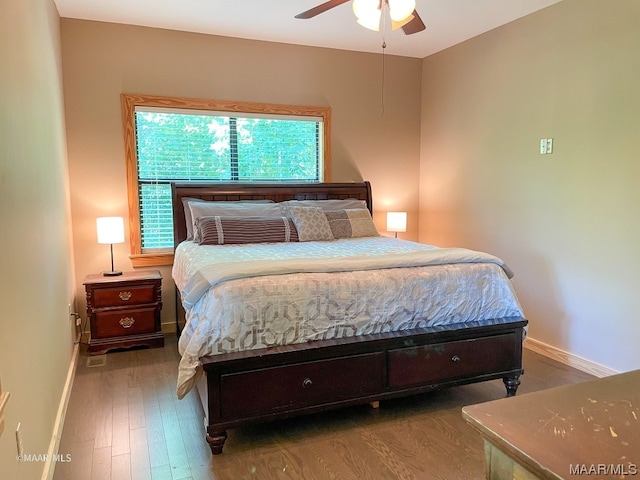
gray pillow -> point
(351, 223)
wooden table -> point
(584, 430)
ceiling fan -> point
(410, 22)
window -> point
(170, 139)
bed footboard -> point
(280, 382)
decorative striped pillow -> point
(217, 208)
(231, 209)
(219, 230)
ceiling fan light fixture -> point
(400, 10)
(372, 22)
(368, 13)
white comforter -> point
(240, 297)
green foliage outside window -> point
(197, 147)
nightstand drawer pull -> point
(125, 296)
(127, 322)
(455, 359)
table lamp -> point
(110, 231)
(396, 222)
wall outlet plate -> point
(543, 146)
(546, 146)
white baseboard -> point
(50, 464)
(567, 358)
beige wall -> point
(101, 61)
(567, 223)
(37, 283)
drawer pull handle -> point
(455, 359)
(306, 383)
(127, 322)
(124, 296)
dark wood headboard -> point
(277, 192)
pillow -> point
(187, 214)
(187, 210)
(351, 223)
(231, 209)
(219, 230)
(333, 204)
(311, 223)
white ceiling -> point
(448, 22)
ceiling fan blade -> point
(320, 9)
(415, 25)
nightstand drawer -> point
(116, 323)
(124, 295)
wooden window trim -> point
(4, 399)
(131, 101)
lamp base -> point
(113, 273)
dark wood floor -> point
(125, 422)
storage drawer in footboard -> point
(298, 385)
(440, 362)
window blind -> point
(194, 146)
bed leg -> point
(512, 384)
(216, 441)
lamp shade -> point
(369, 12)
(110, 229)
(396, 221)
(400, 10)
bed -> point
(289, 327)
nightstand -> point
(124, 311)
